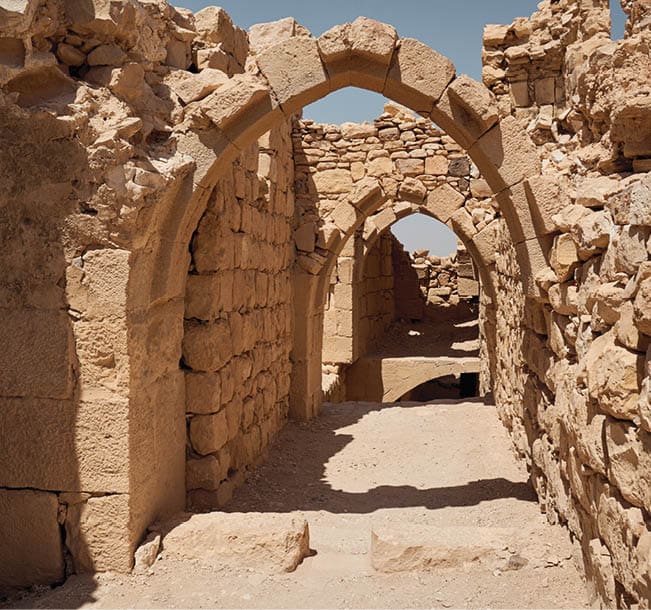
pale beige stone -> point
(31, 539)
(295, 73)
(268, 542)
(444, 201)
(418, 76)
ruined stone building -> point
(186, 263)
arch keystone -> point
(358, 53)
(418, 76)
(295, 73)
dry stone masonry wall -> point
(238, 321)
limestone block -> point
(486, 242)
(106, 55)
(192, 87)
(614, 376)
(265, 35)
(593, 192)
(466, 110)
(334, 44)
(444, 201)
(564, 256)
(545, 91)
(630, 248)
(333, 181)
(602, 572)
(372, 39)
(629, 452)
(547, 196)
(414, 548)
(207, 347)
(436, 166)
(36, 358)
(608, 300)
(467, 287)
(410, 167)
(412, 189)
(519, 91)
(358, 131)
(203, 392)
(640, 203)
(213, 57)
(146, 554)
(381, 166)
(631, 125)
(214, 25)
(208, 433)
(505, 155)
(642, 307)
(98, 534)
(461, 223)
(32, 550)
(617, 525)
(418, 76)
(593, 230)
(70, 55)
(62, 445)
(243, 96)
(305, 237)
(267, 542)
(628, 333)
(495, 35)
(295, 73)
(209, 296)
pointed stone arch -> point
(215, 131)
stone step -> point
(266, 542)
(418, 548)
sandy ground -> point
(358, 466)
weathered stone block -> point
(418, 76)
(295, 73)
(36, 359)
(443, 202)
(32, 550)
(268, 542)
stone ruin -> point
(172, 232)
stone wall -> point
(118, 124)
(445, 281)
(238, 321)
(578, 409)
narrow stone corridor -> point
(434, 484)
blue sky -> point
(452, 28)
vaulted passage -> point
(204, 308)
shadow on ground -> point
(293, 476)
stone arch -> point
(214, 132)
(301, 70)
(382, 223)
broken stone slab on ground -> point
(267, 542)
(417, 548)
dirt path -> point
(358, 467)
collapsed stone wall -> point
(238, 321)
(571, 379)
(445, 280)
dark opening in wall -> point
(465, 385)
